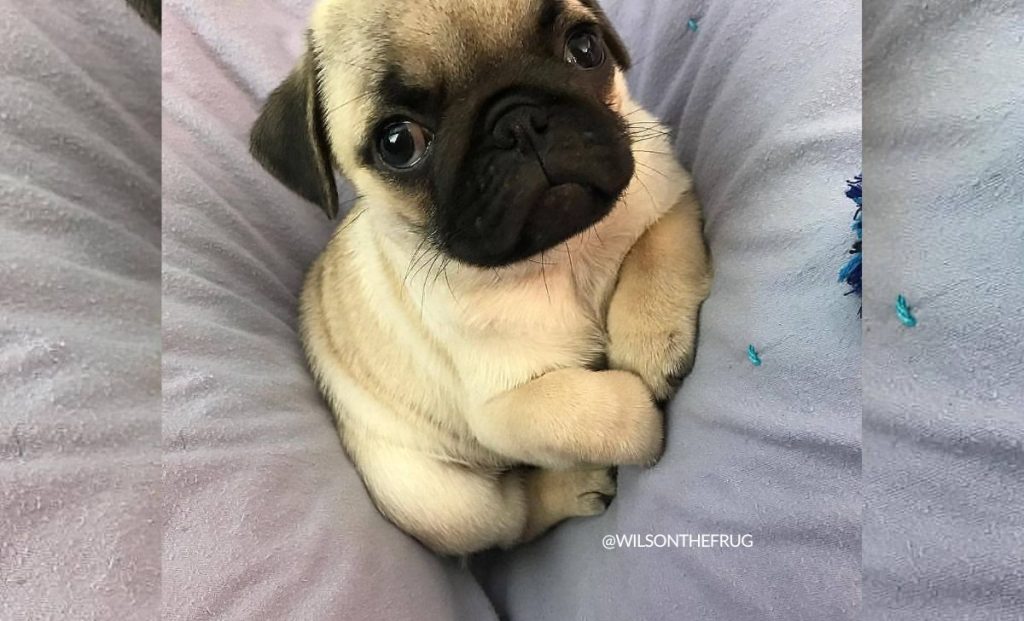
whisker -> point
(350, 101)
(649, 125)
(650, 135)
(414, 259)
(426, 257)
(652, 125)
(646, 135)
(634, 143)
(644, 185)
(423, 293)
(444, 263)
(637, 138)
(648, 130)
(363, 67)
(349, 202)
(654, 170)
(572, 269)
(651, 152)
(448, 282)
(637, 109)
(350, 219)
(654, 130)
(544, 275)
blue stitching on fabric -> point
(753, 356)
(851, 272)
(903, 312)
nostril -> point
(505, 134)
(518, 124)
(505, 103)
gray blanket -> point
(944, 401)
(79, 312)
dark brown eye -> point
(584, 49)
(403, 144)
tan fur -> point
(652, 320)
(445, 383)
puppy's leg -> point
(652, 318)
(554, 495)
(455, 510)
(450, 508)
(570, 417)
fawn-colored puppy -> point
(519, 281)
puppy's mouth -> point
(556, 212)
(563, 211)
(541, 199)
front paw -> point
(661, 358)
(637, 429)
(652, 316)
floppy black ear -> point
(290, 140)
(149, 10)
(611, 36)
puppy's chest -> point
(518, 329)
(546, 314)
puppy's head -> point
(494, 129)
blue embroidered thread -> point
(903, 312)
(753, 356)
(851, 272)
(692, 25)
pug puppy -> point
(516, 286)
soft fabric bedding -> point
(944, 405)
(79, 312)
(266, 518)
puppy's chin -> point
(559, 213)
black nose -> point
(517, 123)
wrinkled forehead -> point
(432, 41)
